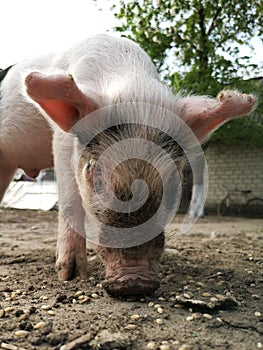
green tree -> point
(195, 45)
(199, 39)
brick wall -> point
(234, 167)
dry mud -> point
(211, 296)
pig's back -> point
(104, 54)
(25, 135)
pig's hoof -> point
(69, 270)
(69, 274)
(133, 287)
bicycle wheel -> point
(254, 208)
(224, 208)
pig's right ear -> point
(204, 115)
(59, 96)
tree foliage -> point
(201, 38)
(195, 45)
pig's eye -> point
(89, 170)
(94, 175)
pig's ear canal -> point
(204, 115)
(59, 96)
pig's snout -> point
(132, 281)
(132, 272)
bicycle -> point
(253, 207)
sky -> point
(32, 27)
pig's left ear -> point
(59, 96)
(204, 115)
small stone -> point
(161, 298)
(259, 345)
(130, 326)
(200, 284)
(258, 314)
(220, 283)
(176, 342)
(109, 340)
(165, 347)
(21, 333)
(213, 235)
(192, 317)
(189, 318)
(51, 313)
(24, 316)
(185, 347)
(151, 346)
(213, 300)
(2, 313)
(39, 325)
(13, 296)
(206, 295)
(95, 296)
(156, 306)
(9, 309)
(160, 310)
(188, 295)
(219, 296)
(208, 316)
(135, 317)
(46, 307)
(43, 297)
(84, 299)
(159, 321)
(79, 292)
(151, 304)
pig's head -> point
(112, 158)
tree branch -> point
(214, 20)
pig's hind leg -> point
(7, 172)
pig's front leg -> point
(71, 248)
(71, 245)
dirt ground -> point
(211, 296)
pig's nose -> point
(131, 287)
